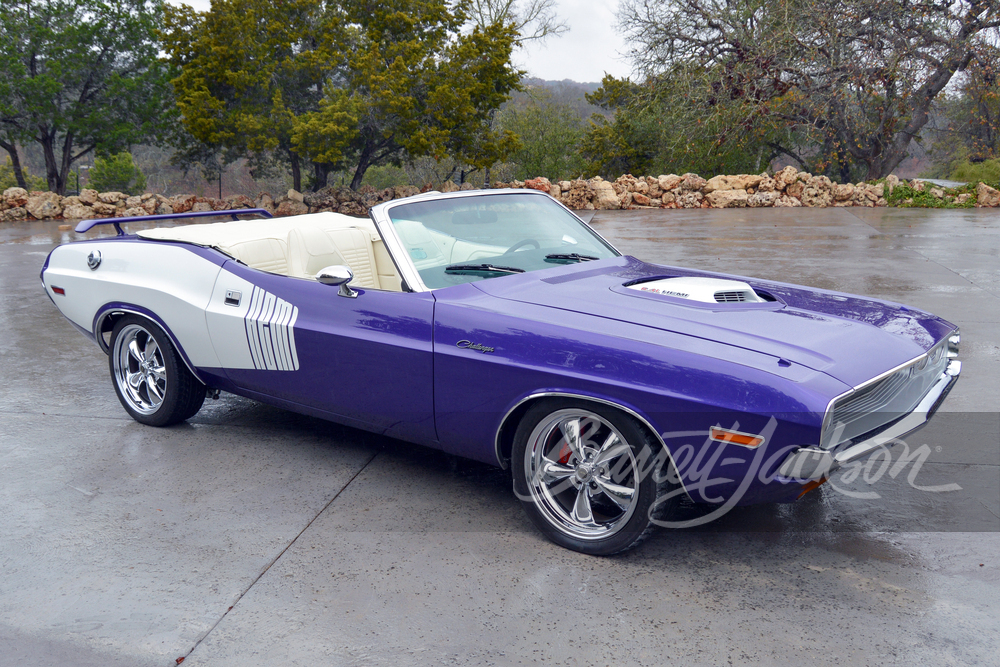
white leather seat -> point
(356, 247)
(268, 254)
(311, 249)
(297, 246)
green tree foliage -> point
(851, 80)
(550, 136)
(245, 70)
(661, 127)
(340, 85)
(117, 173)
(78, 76)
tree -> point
(340, 85)
(660, 126)
(78, 75)
(117, 173)
(967, 122)
(533, 20)
(244, 71)
(550, 135)
(8, 179)
(853, 81)
(425, 89)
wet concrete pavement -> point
(254, 536)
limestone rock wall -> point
(786, 188)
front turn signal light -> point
(735, 437)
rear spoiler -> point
(87, 225)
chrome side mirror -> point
(338, 275)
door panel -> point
(367, 360)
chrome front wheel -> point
(587, 475)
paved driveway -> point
(252, 536)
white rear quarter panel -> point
(164, 278)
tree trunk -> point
(486, 178)
(66, 162)
(15, 162)
(55, 182)
(321, 173)
(296, 172)
(364, 161)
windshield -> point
(461, 239)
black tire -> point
(617, 480)
(149, 377)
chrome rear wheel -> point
(149, 377)
(139, 369)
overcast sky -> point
(590, 48)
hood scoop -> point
(706, 290)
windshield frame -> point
(380, 215)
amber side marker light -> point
(735, 437)
(59, 290)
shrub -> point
(8, 180)
(904, 196)
(987, 171)
(117, 173)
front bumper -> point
(811, 463)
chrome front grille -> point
(872, 398)
(883, 401)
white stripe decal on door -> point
(270, 326)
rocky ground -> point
(786, 188)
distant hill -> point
(570, 93)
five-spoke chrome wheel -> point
(139, 369)
(149, 377)
(587, 474)
(581, 473)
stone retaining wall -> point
(788, 187)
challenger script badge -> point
(469, 345)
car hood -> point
(851, 338)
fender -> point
(111, 309)
(521, 406)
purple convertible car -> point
(498, 326)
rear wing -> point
(87, 225)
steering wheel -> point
(520, 244)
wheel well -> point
(105, 327)
(505, 436)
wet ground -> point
(253, 536)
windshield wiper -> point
(481, 268)
(571, 257)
